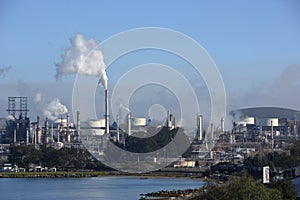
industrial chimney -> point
(222, 125)
(106, 113)
(128, 124)
(118, 129)
(199, 127)
(38, 131)
(272, 135)
(68, 129)
(78, 123)
(46, 131)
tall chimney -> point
(272, 135)
(78, 123)
(106, 113)
(169, 122)
(68, 129)
(128, 124)
(118, 131)
(199, 127)
(38, 131)
(222, 125)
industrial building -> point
(252, 129)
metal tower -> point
(17, 107)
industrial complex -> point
(253, 129)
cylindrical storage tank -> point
(269, 121)
(96, 123)
(97, 126)
(250, 120)
(139, 121)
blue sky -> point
(252, 42)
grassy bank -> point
(53, 174)
(90, 174)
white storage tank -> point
(139, 121)
(97, 126)
(95, 123)
(250, 120)
(269, 121)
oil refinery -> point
(251, 129)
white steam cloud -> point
(38, 97)
(54, 109)
(9, 117)
(83, 57)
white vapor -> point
(38, 97)
(9, 117)
(83, 57)
(54, 109)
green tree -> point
(286, 187)
(243, 188)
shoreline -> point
(78, 174)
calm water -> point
(296, 182)
(112, 187)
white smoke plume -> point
(9, 117)
(4, 70)
(38, 97)
(83, 57)
(54, 109)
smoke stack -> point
(272, 135)
(222, 125)
(78, 123)
(38, 139)
(68, 129)
(200, 127)
(106, 113)
(46, 130)
(128, 124)
(169, 122)
(118, 131)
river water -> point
(106, 187)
